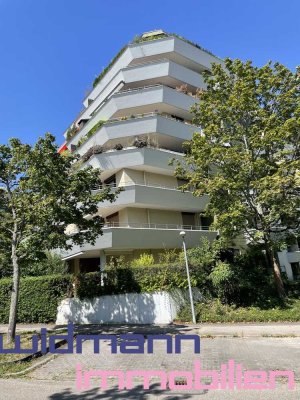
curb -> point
(32, 367)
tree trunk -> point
(11, 332)
(271, 254)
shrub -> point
(116, 280)
(39, 297)
(169, 256)
(50, 264)
(215, 311)
(72, 132)
(145, 260)
(222, 278)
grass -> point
(7, 369)
(10, 366)
(26, 343)
(215, 311)
(9, 362)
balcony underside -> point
(160, 99)
(158, 130)
(144, 159)
(171, 48)
(150, 197)
(128, 239)
(163, 72)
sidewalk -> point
(219, 330)
(27, 327)
(250, 330)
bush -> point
(223, 281)
(49, 264)
(145, 260)
(39, 297)
(215, 311)
(117, 280)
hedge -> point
(39, 297)
(134, 280)
(216, 312)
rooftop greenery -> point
(141, 39)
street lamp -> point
(182, 234)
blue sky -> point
(51, 50)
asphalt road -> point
(51, 390)
(258, 351)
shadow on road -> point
(137, 393)
(117, 329)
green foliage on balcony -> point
(141, 39)
(71, 132)
(106, 69)
(90, 133)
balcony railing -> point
(121, 92)
(126, 184)
(108, 225)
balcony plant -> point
(72, 131)
(139, 143)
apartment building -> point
(134, 121)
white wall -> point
(284, 262)
(131, 308)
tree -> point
(42, 192)
(247, 156)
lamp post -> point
(182, 234)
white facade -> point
(145, 96)
(289, 260)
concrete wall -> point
(137, 215)
(161, 180)
(284, 262)
(127, 176)
(165, 217)
(131, 308)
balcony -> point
(163, 71)
(141, 236)
(162, 99)
(153, 197)
(145, 159)
(171, 48)
(161, 130)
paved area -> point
(253, 353)
(238, 329)
(27, 327)
(256, 347)
(50, 390)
